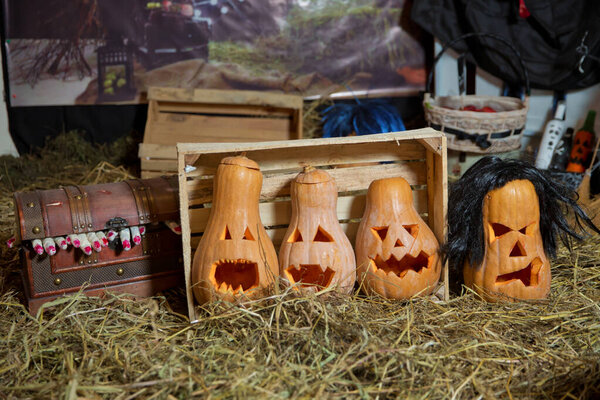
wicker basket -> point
(478, 132)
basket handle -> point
(478, 34)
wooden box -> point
(200, 116)
(419, 156)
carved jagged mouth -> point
(235, 276)
(310, 275)
(401, 267)
(527, 275)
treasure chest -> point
(113, 236)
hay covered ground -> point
(326, 346)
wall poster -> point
(62, 52)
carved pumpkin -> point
(315, 252)
(396, 252)
(514, 265)
(235, 257)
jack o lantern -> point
(503, 217)
(235, 258)
(315, 252)
(514, 264)
(396, 252)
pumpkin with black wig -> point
(503, 220)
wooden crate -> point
(419, 156)
(200, 116)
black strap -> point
(480, 140)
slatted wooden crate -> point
(419, 156)
(200, 115)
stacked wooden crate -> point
(201, 116)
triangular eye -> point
(226, 235)
(380, 232)
(398, 243)
(577, 141)
(322, 236)
(500, 229)
(412, 229)
(248, 235)
(295, 237)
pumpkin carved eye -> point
(295, 237)
(380, 232)
(500, 229)
(248, 235)
(226, 235)
(412, 229)
(322, 236)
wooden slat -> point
(398, 138)
(279, 213)
(163, 151)
(159, 165)
(241, 97)
(155, 174)
(296, 158)
(225, 109)
(175, 128)
(347, 180)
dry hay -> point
(325, 346)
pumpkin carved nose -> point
(518, 250)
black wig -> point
(465, 208)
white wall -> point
(6, 144)
(540, 102)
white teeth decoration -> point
(11, 242)
(61, 242)
(125, 236)
(142, 230)
(38, 247)
(103, 239)
(75, 241)
(85, 244)
(136, 235)
(49, 246)
(111, 235)
(93, 239)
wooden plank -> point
(278, 213)
(164, 151)
(225, 109)
(159, 165)
(174, 128)
(185, 242)
(155, 174)
(347, 180)
(393, 137)
(437, 183)
(210, 96)
(297, 158)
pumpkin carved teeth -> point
(235, 276)
(401, 267)
(528, 275)
(309, 275)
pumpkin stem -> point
(308, 168)
(243, 154)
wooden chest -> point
(153, 265)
